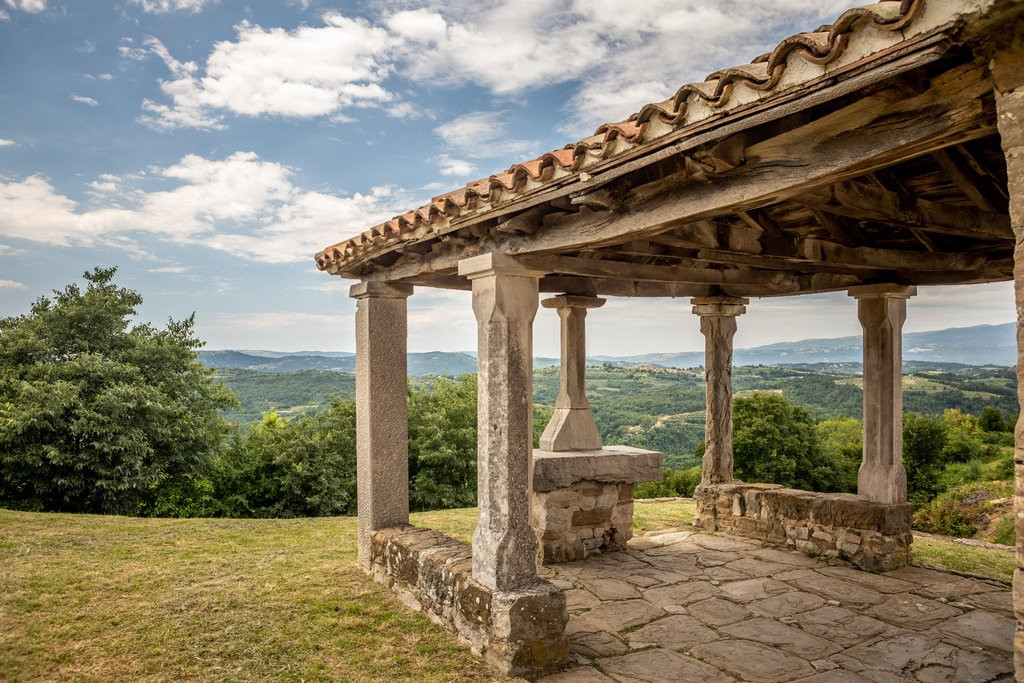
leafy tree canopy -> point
(99, 415)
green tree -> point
(776, 442)
(842, 442)
(98, 415)
(304, 467)
(442, 444)
(991, 420)
(924, 443)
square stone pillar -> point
(505, 299)
(882, 310)
(1008, 80)
(718, 325)
(572, 425)
(382, 427)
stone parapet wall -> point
(521, 632)
(583, 500)
(873, 536)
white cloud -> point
(4, 16)
(172, 270)
(11, 284)
(106, 77)
(85, 100)
(240, 204)
(455, 167)
(483, 135)
(30, 6)
(303, 73)
(4, 142)
(164, 6)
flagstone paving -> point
(688, 606)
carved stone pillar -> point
(1008, 79)
(382, 428)
(882, 310)
(718, 325)
(505, 303)
(572, 425)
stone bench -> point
(583, 500)
(873, 536)
(521, 632)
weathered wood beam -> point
(620, 270)
(866, 202)
(966, 182)
(832, 226)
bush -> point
(990, 419)
(963, 510)
(673, 484)
(924, 440)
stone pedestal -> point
(583, 500)
(382, 455)
(572, 425)
(504, 302)
(1008, 79)
(882, 310)
(718, 325)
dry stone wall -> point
(874, 536)
(521, 632)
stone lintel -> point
(493, 263)
(886, 291)
(572, 301)
(380, 290)
(727, 306)
(611, 464)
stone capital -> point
(886, 291)
(719, 306)
(495, 263)
(572, 301)
(380, 290)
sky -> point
(208, 148)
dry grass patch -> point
(94, 598)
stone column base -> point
(871, 535)
(521, 632)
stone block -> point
(612, 464)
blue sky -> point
(209, 148)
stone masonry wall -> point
(584, 518)
(520, 632)
(874, 536)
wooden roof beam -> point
(867, 202)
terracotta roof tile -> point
(652, 121)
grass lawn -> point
(118, 598)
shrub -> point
(963, 510)
(673, 484)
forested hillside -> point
(662, 408)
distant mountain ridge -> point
(977, 345)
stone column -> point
(882, 310)
(504, 302)
(382, 429)
(572, 426)
(1008, 80)
(718, 325)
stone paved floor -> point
(688, 606)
